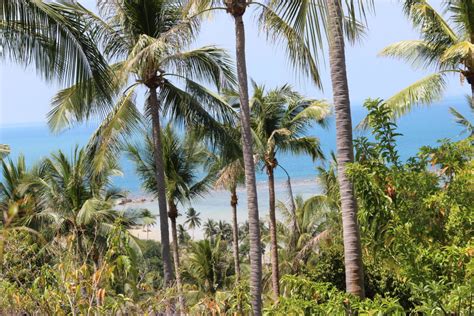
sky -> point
(25, 98)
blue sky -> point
(25, 98)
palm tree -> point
(230, 175)
(183, 236)
(237, 9)
(192, 219)
(345, 151)
(146, 40)
(280, 119)
(148, 220)
(207, 265)
(312, 21)
(300, 57)
(224, 230)
(445, 44)
(184, 158)
(210, 228)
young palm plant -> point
(208, 266)
(75, 202)
(17, 205)
(446, 44)
(281, 118)
(312, 227)
(184, 158)
(147, 42)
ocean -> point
(423, 126)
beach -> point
(216, 204)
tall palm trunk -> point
(235, 233)
(273, 233)
(161, 185)
(173, 214)
(235, 238)
(345, 154)
(237, 9)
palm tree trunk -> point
(345, 154)
(250, 182)
(161, 186)
(173, 214)
(235, 234)
(273, 234)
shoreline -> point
(215, 205)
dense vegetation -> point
(385, 236)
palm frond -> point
(292, 37)
(196, 106)
(463, 121)
(423, 92)
(437, 30)
(55, 38)
(4, 150)
(457, 53)
(205, 64)
(417, 52)
(148, 51)
(303, 145)
(105, 144)
(79, 102)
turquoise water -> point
(423, 126)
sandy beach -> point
(216, 204)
